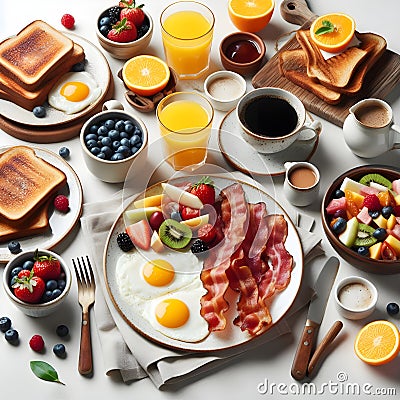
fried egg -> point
(177, 314)
(73, 92)
(147, 274)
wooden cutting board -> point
(379, 81)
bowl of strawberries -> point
(124, 30)
(37, 282)
(361, 217)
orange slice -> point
(250, 15)
(145, 75)
(378, 342)
(337, 40)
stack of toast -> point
(331, 78)
(32, 61)
(27, 186)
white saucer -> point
(245, 158)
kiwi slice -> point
(377, 178)
(364, 236)
(174, 234)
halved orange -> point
(378, 342)
(250, 15)
(337, 40)
(145, 75)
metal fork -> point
(86, 292)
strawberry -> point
(204, 190)
(123, 31)
(132, 13)
(46, 267)
(124, 3)
(140, 234)
(29, 288)
(189, 213)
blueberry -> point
(91, 143)
(28, 264)
(387, 211)
(117, 157)
(109, 124)
(62, 330)
(374, 214)
(15, 271)
(392, 308)
(102, 130)
(363, 251)
(106, 141)
(134, 140)
(5, 324)
(105, 21)
(11, 336)
(134, 150)
(120, 125)
(61, 284)
(99, 139)
(93, 129)
(113, 134)
(124, 150)
(106, 151)
(380, 234)
(95, 150)
(129, 127)
(13, 280)
(338, 194)
(55, 293)
(14, 246)
(116, 144)
(51, 284)
(101, 155)
(64, 152)
(59, 350)
(79, 67)
(39, 112)
(125, 142)
(90, 136)
(47, 296)
(137, 131)
(124, 134)
(339, 226)
(104, 30)
(176, 215)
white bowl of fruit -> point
(124, 30)
(37, 282)
(361, 218)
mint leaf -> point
(44, 371)
(327, 27)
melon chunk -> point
(136, 214)
(375, 251)
(396, 186)
(336, 204)
(349, 235)
(151, 201)
(182, 196)
(364, 217)
(354, 186)
(394, 244)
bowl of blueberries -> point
(124, 30)
(37, 282)
(112, 141)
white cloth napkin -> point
(135, 357)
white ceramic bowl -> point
(124, 51)
(42, 309)
(356, 303)
(113, 171)
(224, 89)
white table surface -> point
(341, 371)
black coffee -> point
(269, 116)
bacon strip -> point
(234, 215)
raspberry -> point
(68, 21)
(61, 203)
(371, 201)
(36, 343)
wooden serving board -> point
(379, 81)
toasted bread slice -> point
(293, 65)
(334, 72)
(28, 57)
(12, 91)
(34, 224)
(26, 182)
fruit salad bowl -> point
(49, 280)
(361, 218)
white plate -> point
(96, 65)
(231, 336)
(61, 224)
(245, 158)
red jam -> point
(243, 51)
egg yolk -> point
(158, 272)
(75, 91)
(172, 313)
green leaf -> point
(44, 371)
(327, 27)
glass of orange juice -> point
(187, 30)
(185, 120)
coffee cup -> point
(302, 182)
(369, 130)
(272, 119)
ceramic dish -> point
(231, 336)
(242, 156)
(364, 263)
(96, 65)
(61, 224)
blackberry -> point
(124, 241)
(114, 13)
(199, 248)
